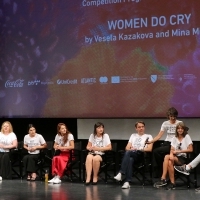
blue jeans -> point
(129, 159)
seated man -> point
(134, 152)
(185, 169)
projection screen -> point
(99, 58)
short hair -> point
(172, 112)
(184, 127)
(10, 126)
(141, 122)
(98, 124)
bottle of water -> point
(46, 176)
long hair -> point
(10, 126)
(98, 124)
(65, 135)
(185, 128)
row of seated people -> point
(173, 151)
(33, 143)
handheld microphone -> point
(147, 139)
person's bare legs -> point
(88, 166)
(165, 167)
(171, 171)
(96, 164)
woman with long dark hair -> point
(33, 143)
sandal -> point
(28, 177)
(33, 177)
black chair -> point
(45, 160)
(43, 163)
(15, 160)
(142, 170)
(182, 179)
(107, 165)
(73, 167)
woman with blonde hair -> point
(8, 140)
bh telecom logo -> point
(103, 79)
(154, 78)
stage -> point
(21, 189)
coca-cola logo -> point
(17, 83)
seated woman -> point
(8, 140)
(180, 145)
(33, 142)
(64, 141)
(97, 144)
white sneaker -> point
(56, 181)
(118, 177)
(126, 185)
(0, 178)
(52, 180)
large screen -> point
(99, 58)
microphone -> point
(142, 148)
(147, 139)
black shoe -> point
(182, 169)
(94, 183)
(161, 183)
(171, 186)
(87, 183)
(197, 189)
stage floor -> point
(21, 189)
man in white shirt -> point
(134, 152)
